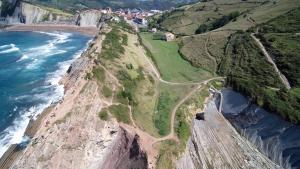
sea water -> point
(31, 65)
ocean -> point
(31, 66)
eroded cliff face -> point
(126, 153)
(89, 18)
(214, 143)
(35, 14)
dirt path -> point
(148, 141)
(263, 49)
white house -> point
(169, 36)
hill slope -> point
(145, 4)
(215, 36)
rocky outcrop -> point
(35, 14)
(126, 153)
(89, 18)
(214, 143)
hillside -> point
(216, 36)
(144, 4)
(230, 15)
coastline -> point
(72, 81)
(90, 31)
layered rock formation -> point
(35, 14)
(89, 18)
(215, 144)
(126, 153)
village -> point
(27, 14)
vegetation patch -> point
(103, 115)
(287, 23)
(170, 63)
(112, 46)
(285, 49)
(106, 91)
(162, 116)
(193, 49)
(218, 22)
(99, 74)
(168, 97)
(250, 73)
(120, 112)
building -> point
(154, 30)
(169, 36)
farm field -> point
(169, 62)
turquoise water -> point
(31, 65)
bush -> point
(103, 115)
(182, 127)
(202, 28)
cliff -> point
(89, 18)
(214, 143)
(126, 153)
(36, 14)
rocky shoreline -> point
(75, 75)
(69, 134)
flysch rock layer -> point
(78, 140)
(214, 143)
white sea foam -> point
(12, 48)
(14, 134)
(44, 51)
(24, 57)
(60, 37)
(6, 46)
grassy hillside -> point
(226, 47)
(171, 65)
(281, 38)
(79, 4)
(219, 19)
(186, 20)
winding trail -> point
(171, 135)
(148, 141)
(154, 70)
(269, 58)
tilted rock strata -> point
(215, 144)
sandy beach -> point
(91, 31)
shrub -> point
(103, 115)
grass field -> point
(170, 64)
(169, 96)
